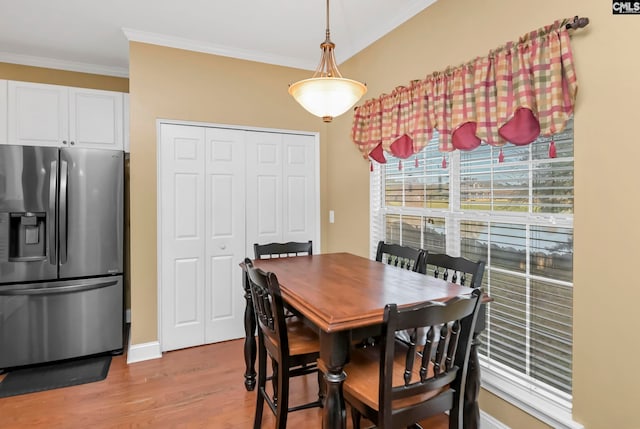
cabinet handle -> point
(64, 142)
(72, 142)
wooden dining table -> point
(344, 296)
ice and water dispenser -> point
(23, 236)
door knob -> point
(222, 246)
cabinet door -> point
(95, 118)
(3, 111)
(37, 114)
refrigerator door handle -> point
(60, 289)
(64, 172)
(51, 213)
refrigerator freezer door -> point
(91, 212)
(43, 322)
(28, 187)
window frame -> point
(542, 401)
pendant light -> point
(327, 94)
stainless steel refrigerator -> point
(61, 253)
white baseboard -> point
(144, 351)
(489, 422)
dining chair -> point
(291, 345)
(282, 250)
(400, 256)
(396, 385)
(397, 255)
(455, 269)
(463, 271)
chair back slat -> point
(426, 354)
(440, 354)
(453, 345)
(409, 360)
(282, 250)
(405, 257)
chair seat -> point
(363, 377)
(302, 339)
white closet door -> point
(225, 233)
(299, 188)
(264, 188)
(183, 236)
(221, 190)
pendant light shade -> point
(327, 97)
(327, 94)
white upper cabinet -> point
(3, 111)
(38, 114)
(53, 115)
(95, 118)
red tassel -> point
(400, 165)
(500, 156)
(417, 163)
(552, 149)
(444, 162)
(370, 166)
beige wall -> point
(176, 84)
(606, 155)
(62, 77)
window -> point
(516, 215)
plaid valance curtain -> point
(513, 95)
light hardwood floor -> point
(200, 387)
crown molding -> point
(361, 41)
(52, 63)
(208, 48)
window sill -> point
(556, 413)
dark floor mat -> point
(68, 373)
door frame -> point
(159, 217)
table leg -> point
(334, 353)
(249, 339)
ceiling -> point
(93, 36)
